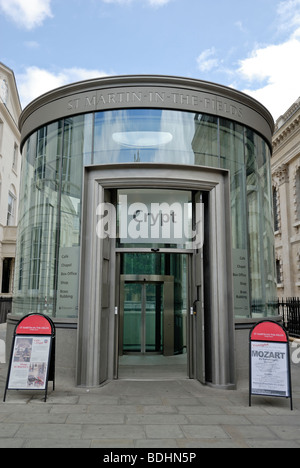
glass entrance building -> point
(146, 226)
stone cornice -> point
(287, 131)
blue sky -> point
(251, 45)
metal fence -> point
(289, 309)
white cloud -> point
(158, 3)
(121, 2)
(271, 74)
(27, 13)
(30, 14)
(277, 68)
(152, 3)
(37, 81)
(207, 60)
(289, 15)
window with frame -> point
(11, 208)
(15, 157)
(21, 266)
(36, 247)
(7, 273)
(1, 136)
(276, 210)
(40, 171)
(297, 184)
(278, 272)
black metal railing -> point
(289, 309)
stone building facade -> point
(10, 169)
(286, 200)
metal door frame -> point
(98, 281)
(168, 307)
(143, 280)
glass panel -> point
(205, 141)
(47, 260)
(174, 265)
(260, 227)
(136, 135)
(154, 316)
(139, 135)
(178, 268)
(143, 264)
(69, 241)
(133, 303)
(268, 230)
(35, 279)
(232, 158)
(253, 196)
(158, 136)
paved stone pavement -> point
(147, 414)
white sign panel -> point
(145, 217)
(29, 365)
(270, 369)
(241, 282)
(67, 288)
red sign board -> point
(269, 331)
(32, 361)
(34, 325)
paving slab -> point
(170, 431)
(148, 414)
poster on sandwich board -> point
(32, 356)
(270, 369)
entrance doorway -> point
(142, 307)
(209, 296)
(153, 329)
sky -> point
(250, 45)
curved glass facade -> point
(50, 212)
